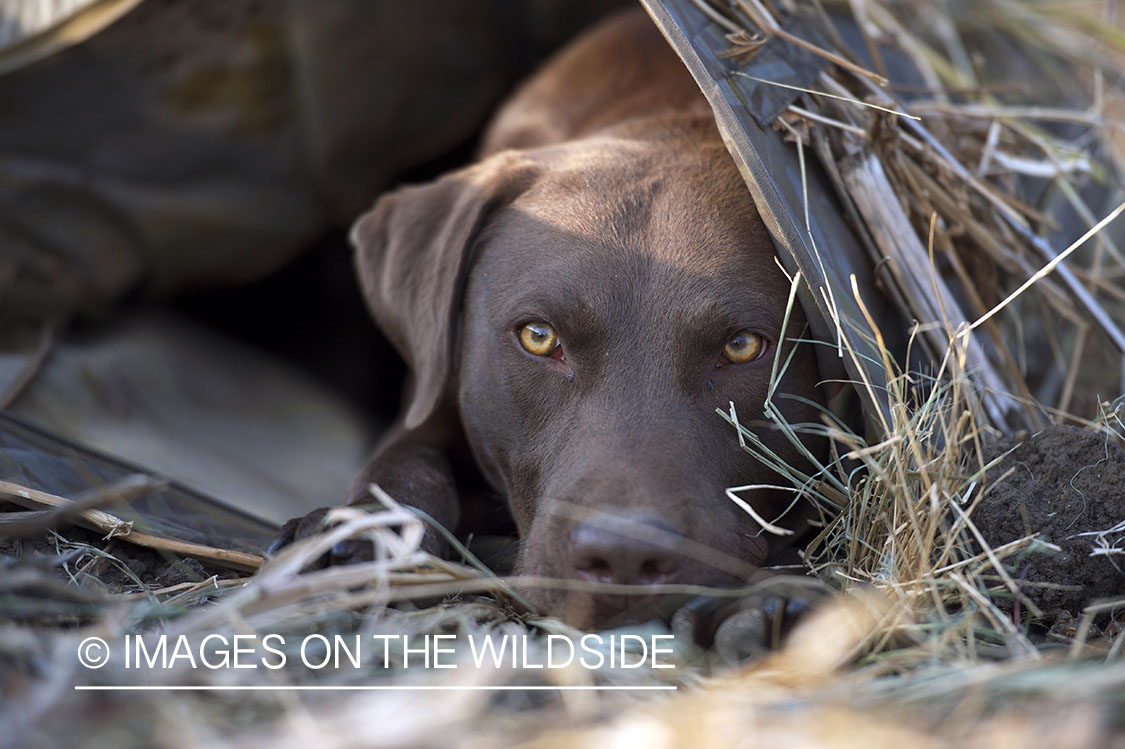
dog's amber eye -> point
(539, 338)
(743, 346)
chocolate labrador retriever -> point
(573, 308)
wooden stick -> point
(115, 527)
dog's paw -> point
(349, 551)
(740, 629)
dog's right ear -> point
(413, 255)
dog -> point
(573, 308)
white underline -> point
(368, 688)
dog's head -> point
(587, 308)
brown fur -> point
(605, 204)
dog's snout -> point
(637, 551)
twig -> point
(1046, 270)
(115, 527)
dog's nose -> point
(636, 551)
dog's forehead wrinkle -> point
(618, 215)
(639, 192)
(666, 271)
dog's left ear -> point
(414, 250)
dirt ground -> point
(1067, 484)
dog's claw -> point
(351, 551)
(298, 528)
(286, 535)
(744, 635)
